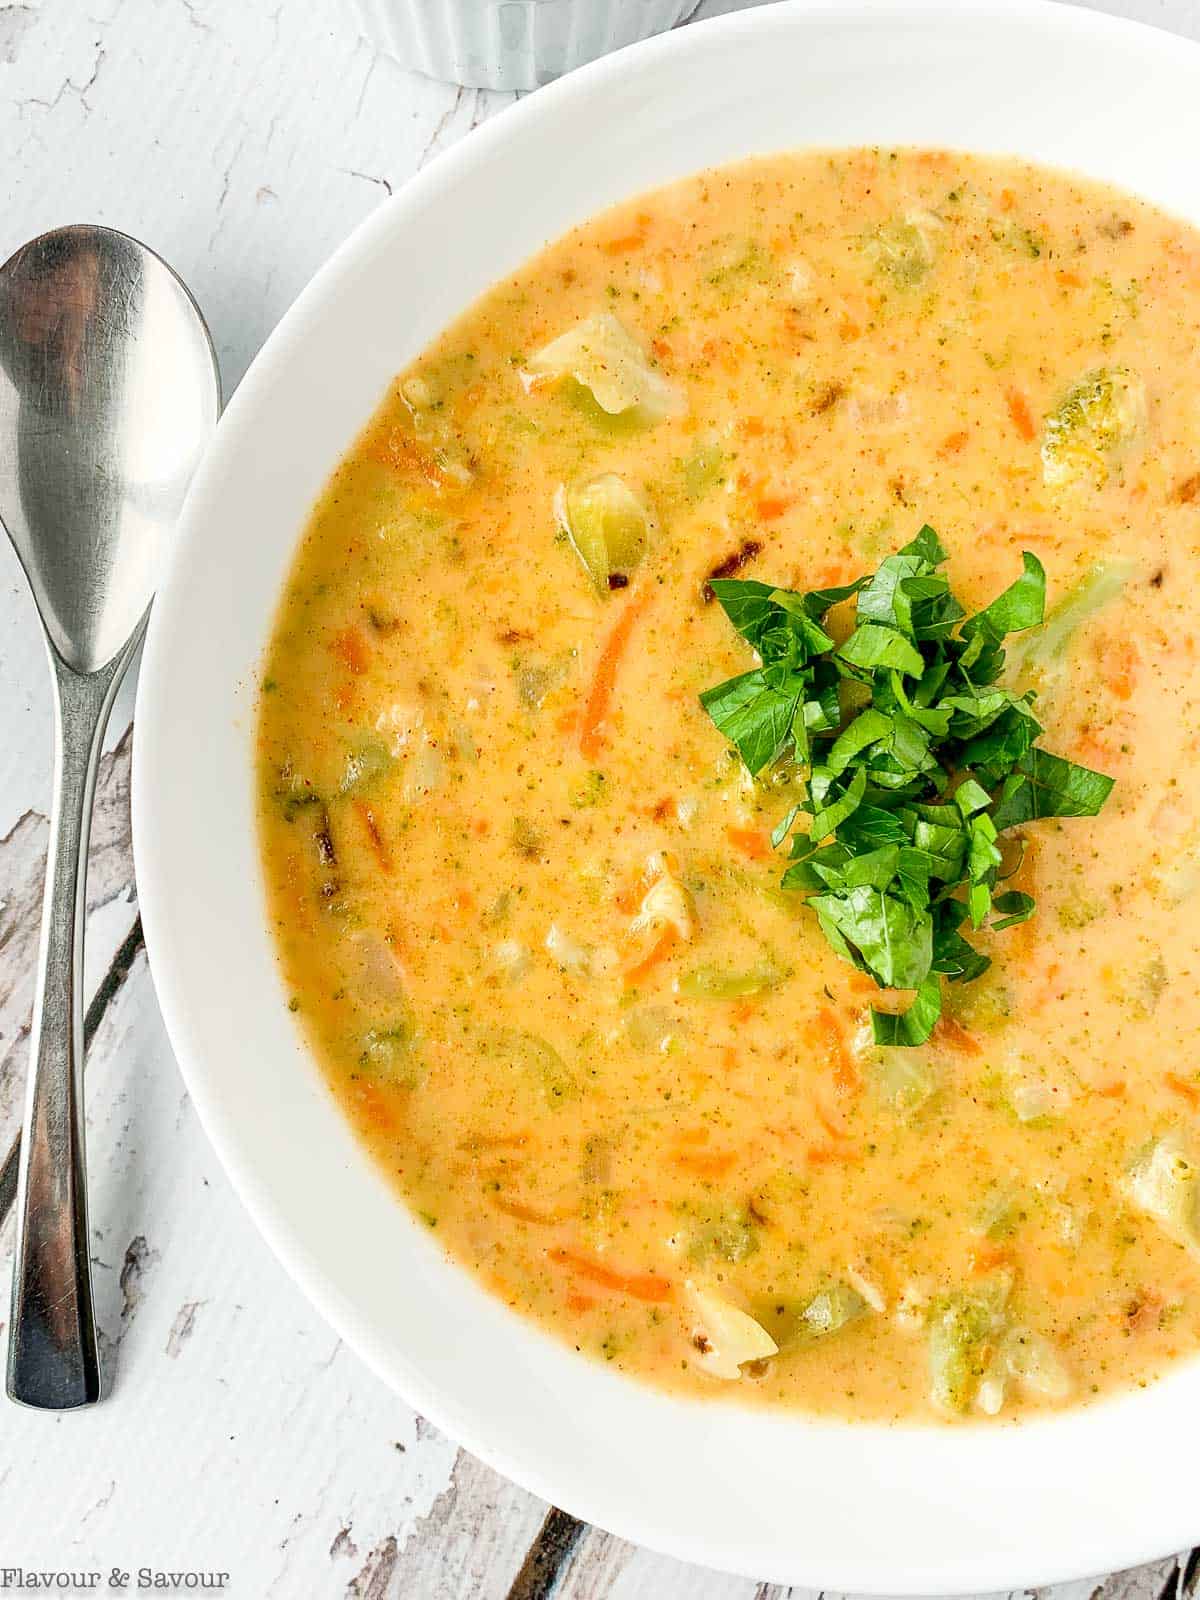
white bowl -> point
(903, 1509)
(511, 44)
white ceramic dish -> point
(835, 1506)
(511, 44)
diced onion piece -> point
(373, 969)
(665, 903)
(417, 392)
(400, 724)
(869, 1292)
(912, 1307)
(1032, 1095)
(799, 280)
(829, 1311)
(1164, 1182)
(989, 1397)
(512, 959)
(425, 772)
(610, 526)
(568, 953)
(724, 1337)
(651, 1028)
(1035, 1364)
(601, 354)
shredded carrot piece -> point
(707, 1163)
(832, 577)
(524, 1213)
(1091, 751)
(641, 1285)
(752, 842)
(352, 651)
(827, 1154)
(591, 729)
(1183, 1087)
(378, 843)
(950, 1032)
(344, 696)
(1143, 1311)
(629, 897)
(377, 1108)
(1018, 410)
(1112, 1091)
(752, 427)
(1119, 665)
(989, 1256)
(953, 442)
(1069, 280)
(827, 1122)
(841, 1058)
(580, 1302)
(729, 1058)
(742, 1011)
(772, 506)
(633, 240)
(667, 939)
(404, 454)
(1007, 199)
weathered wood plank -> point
(22, 875)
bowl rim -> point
(1119, 1544)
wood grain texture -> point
(244, 139)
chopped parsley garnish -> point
(917, 759)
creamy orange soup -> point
(525, 896)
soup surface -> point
(525, 894)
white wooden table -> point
(244, 139)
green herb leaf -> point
(756, 718)
(1047, 786)
(918, 757)
(893, 939)
(872, 646)
(1022, 605)
(911, 1027)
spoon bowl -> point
(107, 397)
(109, 392)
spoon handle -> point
(53, 1362)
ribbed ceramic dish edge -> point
(511, 44)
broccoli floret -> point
(963, 1329)
(1094, 423)
(904, 249)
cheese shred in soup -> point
(525, 893)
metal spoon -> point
(109, 392)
